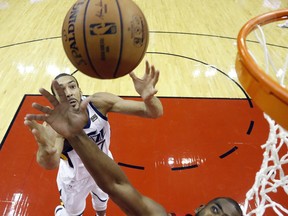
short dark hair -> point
(61, 75)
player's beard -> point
(75, 104)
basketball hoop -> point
(271, 97)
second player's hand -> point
(63, 118)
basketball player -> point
(73, 180)
(69, 122)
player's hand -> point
(44, 136)
(63, 118)
(146, 86)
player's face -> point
(72, 91)
(220, 207)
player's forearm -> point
(108, 176)
(102, 168)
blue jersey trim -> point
(98, 112)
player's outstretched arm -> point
(150, 107)
(112, 180)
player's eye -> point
(215, 210)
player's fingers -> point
(60, 91)
(43, 109)
(152, 74)
(37, 135)
(133, 75)
(147, 71)
(156, 78)
(37, 117)
(29, 124)
(51, 98)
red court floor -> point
(201, 148)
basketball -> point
(105, 39)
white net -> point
(272, 178)
(272, 175)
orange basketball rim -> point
(269, 95)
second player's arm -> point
(111, 179)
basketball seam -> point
(85, 41)
(121, 39)
(146, 44)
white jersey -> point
(71, 167)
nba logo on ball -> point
(105, 39)
(103, 28)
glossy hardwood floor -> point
(192, 43)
